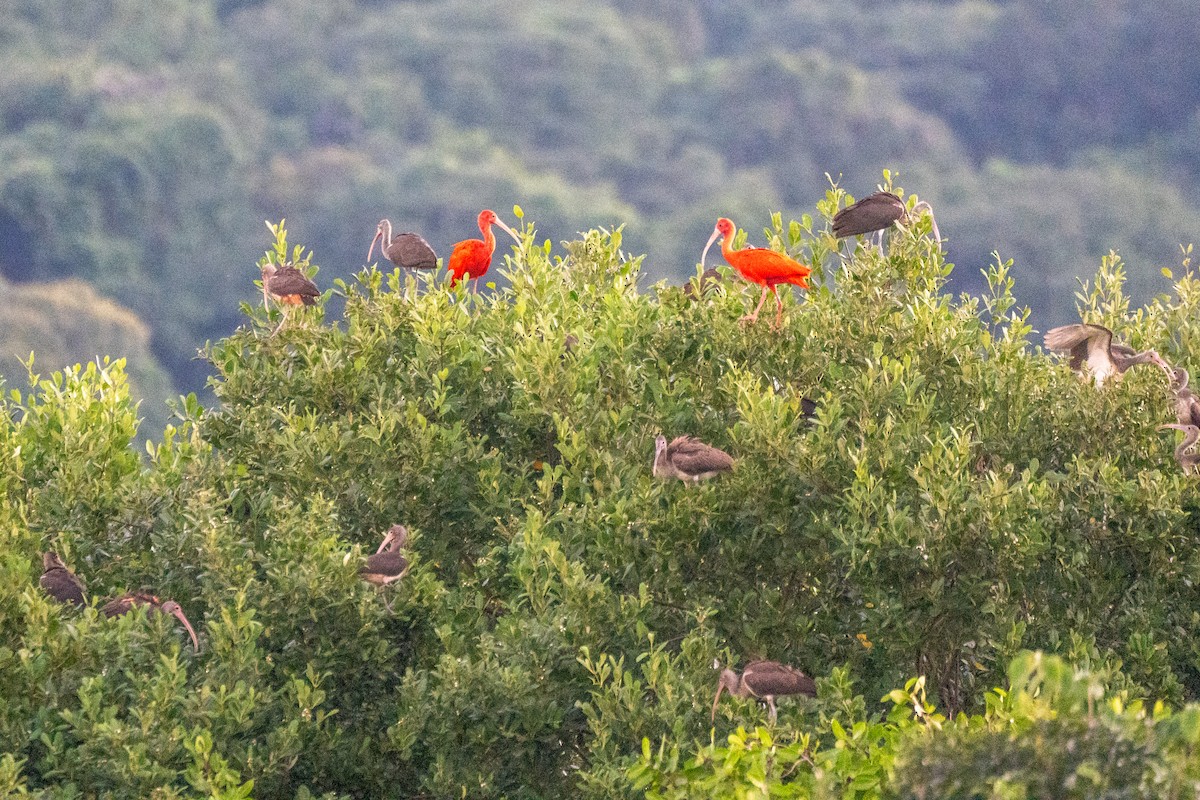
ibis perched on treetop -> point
(877, 212)
(407, 250)
(1093, 345)
(59, 582)
(758, 265)
(126, 602)
(471, 258)
(764, 680)
(688, 459)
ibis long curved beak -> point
(716, 234)
(179, 615)
(720, 688)
(1173, 425)
(508, 230)
(378, 236)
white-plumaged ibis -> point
(59, 582)
(688, 459)
(126, 603)
(1189, 461)
(406, 250)
(387, 564)
(1187, 405)
(764, 680)
(878, 212)
(1092, 345)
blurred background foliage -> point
(958, 501)
(142, 143)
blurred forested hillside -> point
(142, 142)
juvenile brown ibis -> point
(59, 582)
(126, 602)
(1189, 461)
(877, 212)
(695, 289)
(758, 265)
(471, 258)
(764, 680)
(407, 250)
(387, 564)
(1093, 345)
(688, 459)
(1187, 405)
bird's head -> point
(488, 217)
(382, 231)
(1179, 378)
(1188, 429)
(724, 229)
(172, 608)
(728, 680)
(52, 561)
(396, 538)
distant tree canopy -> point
(958, 499)
(142, 142)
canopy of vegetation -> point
(959, 500)
(142, 141)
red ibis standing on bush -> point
(407, 250)
(1189, 461)
(758, 265)
(1093, 345)
(764, 680)
(688, 459)
(387, 564)
(471, 258)
(126, 603)
(59, 582)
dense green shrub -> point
(959, 498)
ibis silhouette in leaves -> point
(59, 582)
(688, 459)
(127, 602)
(764, 680)
(1092, 349)
(471, 258)
(388, 563)
(1189, 461)
(406, 250)
(758, 265)
(1187, 405)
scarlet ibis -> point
(758, 265)
(764, 680)
(471, 258)
(1093, 345)
(407, 250)
(1187, 405)
(877, 212)
(688, 459)
(387, 564)
(1189, 461)
(126, 602)
(59, 582)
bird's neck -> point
(489, 238)
(387, 232)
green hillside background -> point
(142, 142)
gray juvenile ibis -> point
(128, 601)
(877, 212)
(407, 250)
(688, 459)
(764, 680)
(1187, 405)
(387, 564)
(288, 286)
(1093, 345)
(59, 582)
(1189, 461)
(695, 289)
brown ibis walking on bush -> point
(1187, 405)
(877, 212)
(1189, 461)
(471, 258)
(758, 265)
(288, 286)
(1092, 345)
(128, 601)
(387, 564)
(764, 680)
(59, 582)
(688, 459)
(407, 250)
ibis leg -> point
(754, 317)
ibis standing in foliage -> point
(877, 212)
(288, 286)
(758, 265)
(1093, 345)
(59, 582)
(127, 602)
(387, 564)
(1187, 405)
(407, 250)
(1189, 461)
(688, 459)
(471, 258)
(764, 680)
